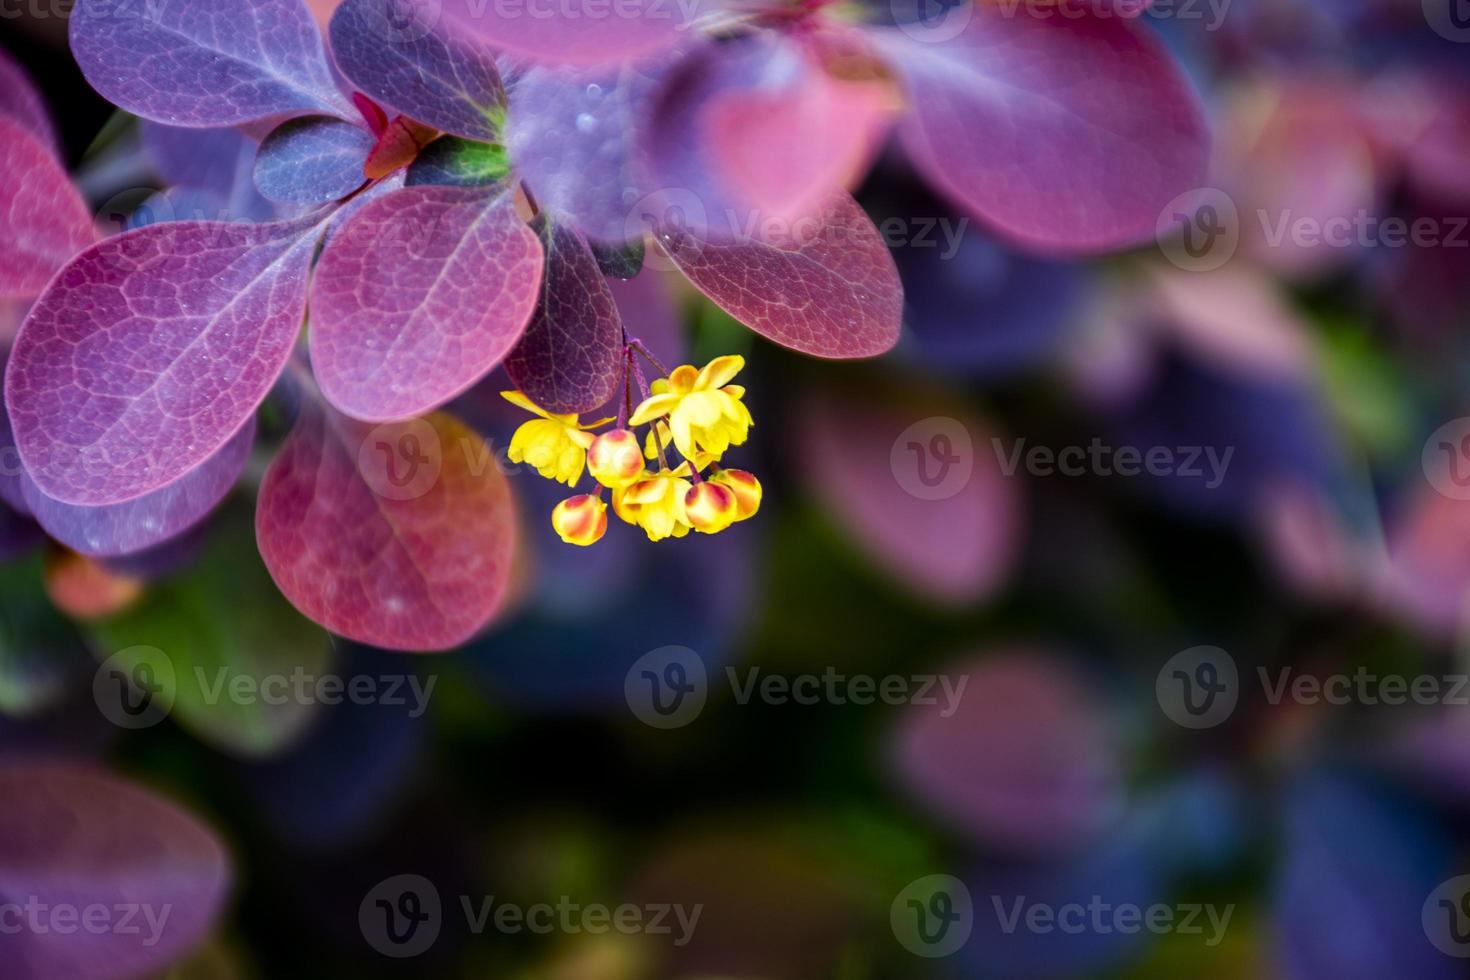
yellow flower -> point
(704, 410)
(554, 445)
(745, 487)
(710, 507)
(580, 520)
(656, 503)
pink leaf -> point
(400, 535)
(75, 837)
(43, 220)
(418, 296)
(805, 126)
(917, 486)
(1064, 133)
(20, 101)
(825, 286)
(571, 355)
(1025, 759)
(576, 32)
(150, 350)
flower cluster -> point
(697, 414)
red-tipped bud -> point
(615, 460)
(580, 520)
(745, 487)
(709, 507)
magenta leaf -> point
(917, 485)
(761, 127)
(572, 134)
(20, 101)
(577, 32)
(149, 352)
(419, 296)
(398, 535)
(423, 70)
(1021, 758)
(43, 220)
(218, 63)
(1065, 133)
(312, 160)
(139, 524)
(825, 286)
(570, 358)
(76, 837)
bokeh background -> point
(1116, 634)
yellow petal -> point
(682, 379)
(521, 401)
(719, 372)
(654, 407)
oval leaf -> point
(20, 101)
(312, 161)
(826, 287)
(139, 524)
(576, 32)
(418, 296)
(437, 76)
(917, 486)
(1062, 132)
(570, 358)
(43, 220)
(121, 381)
(219, 63)
(74, 836)
(399, 535)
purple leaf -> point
(72, 836)
(151, 350)
(219, 63)
(915, 483)
(312, 161)
(1064, 133)
(43, 220)
(570, 358)
(1024, 760)
(140, 524)
(826, 287)
(423, 70)
(399, 535)
(418, 296)
(571, 134)
(20, 101)
(212, 173)
(576, 32)
(457, 162)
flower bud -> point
(614, 459)
(745, 487)
(709, 507)
(580, 520)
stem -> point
(637, 345)
(626, 408)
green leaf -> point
(41, 652)
(220, 645)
